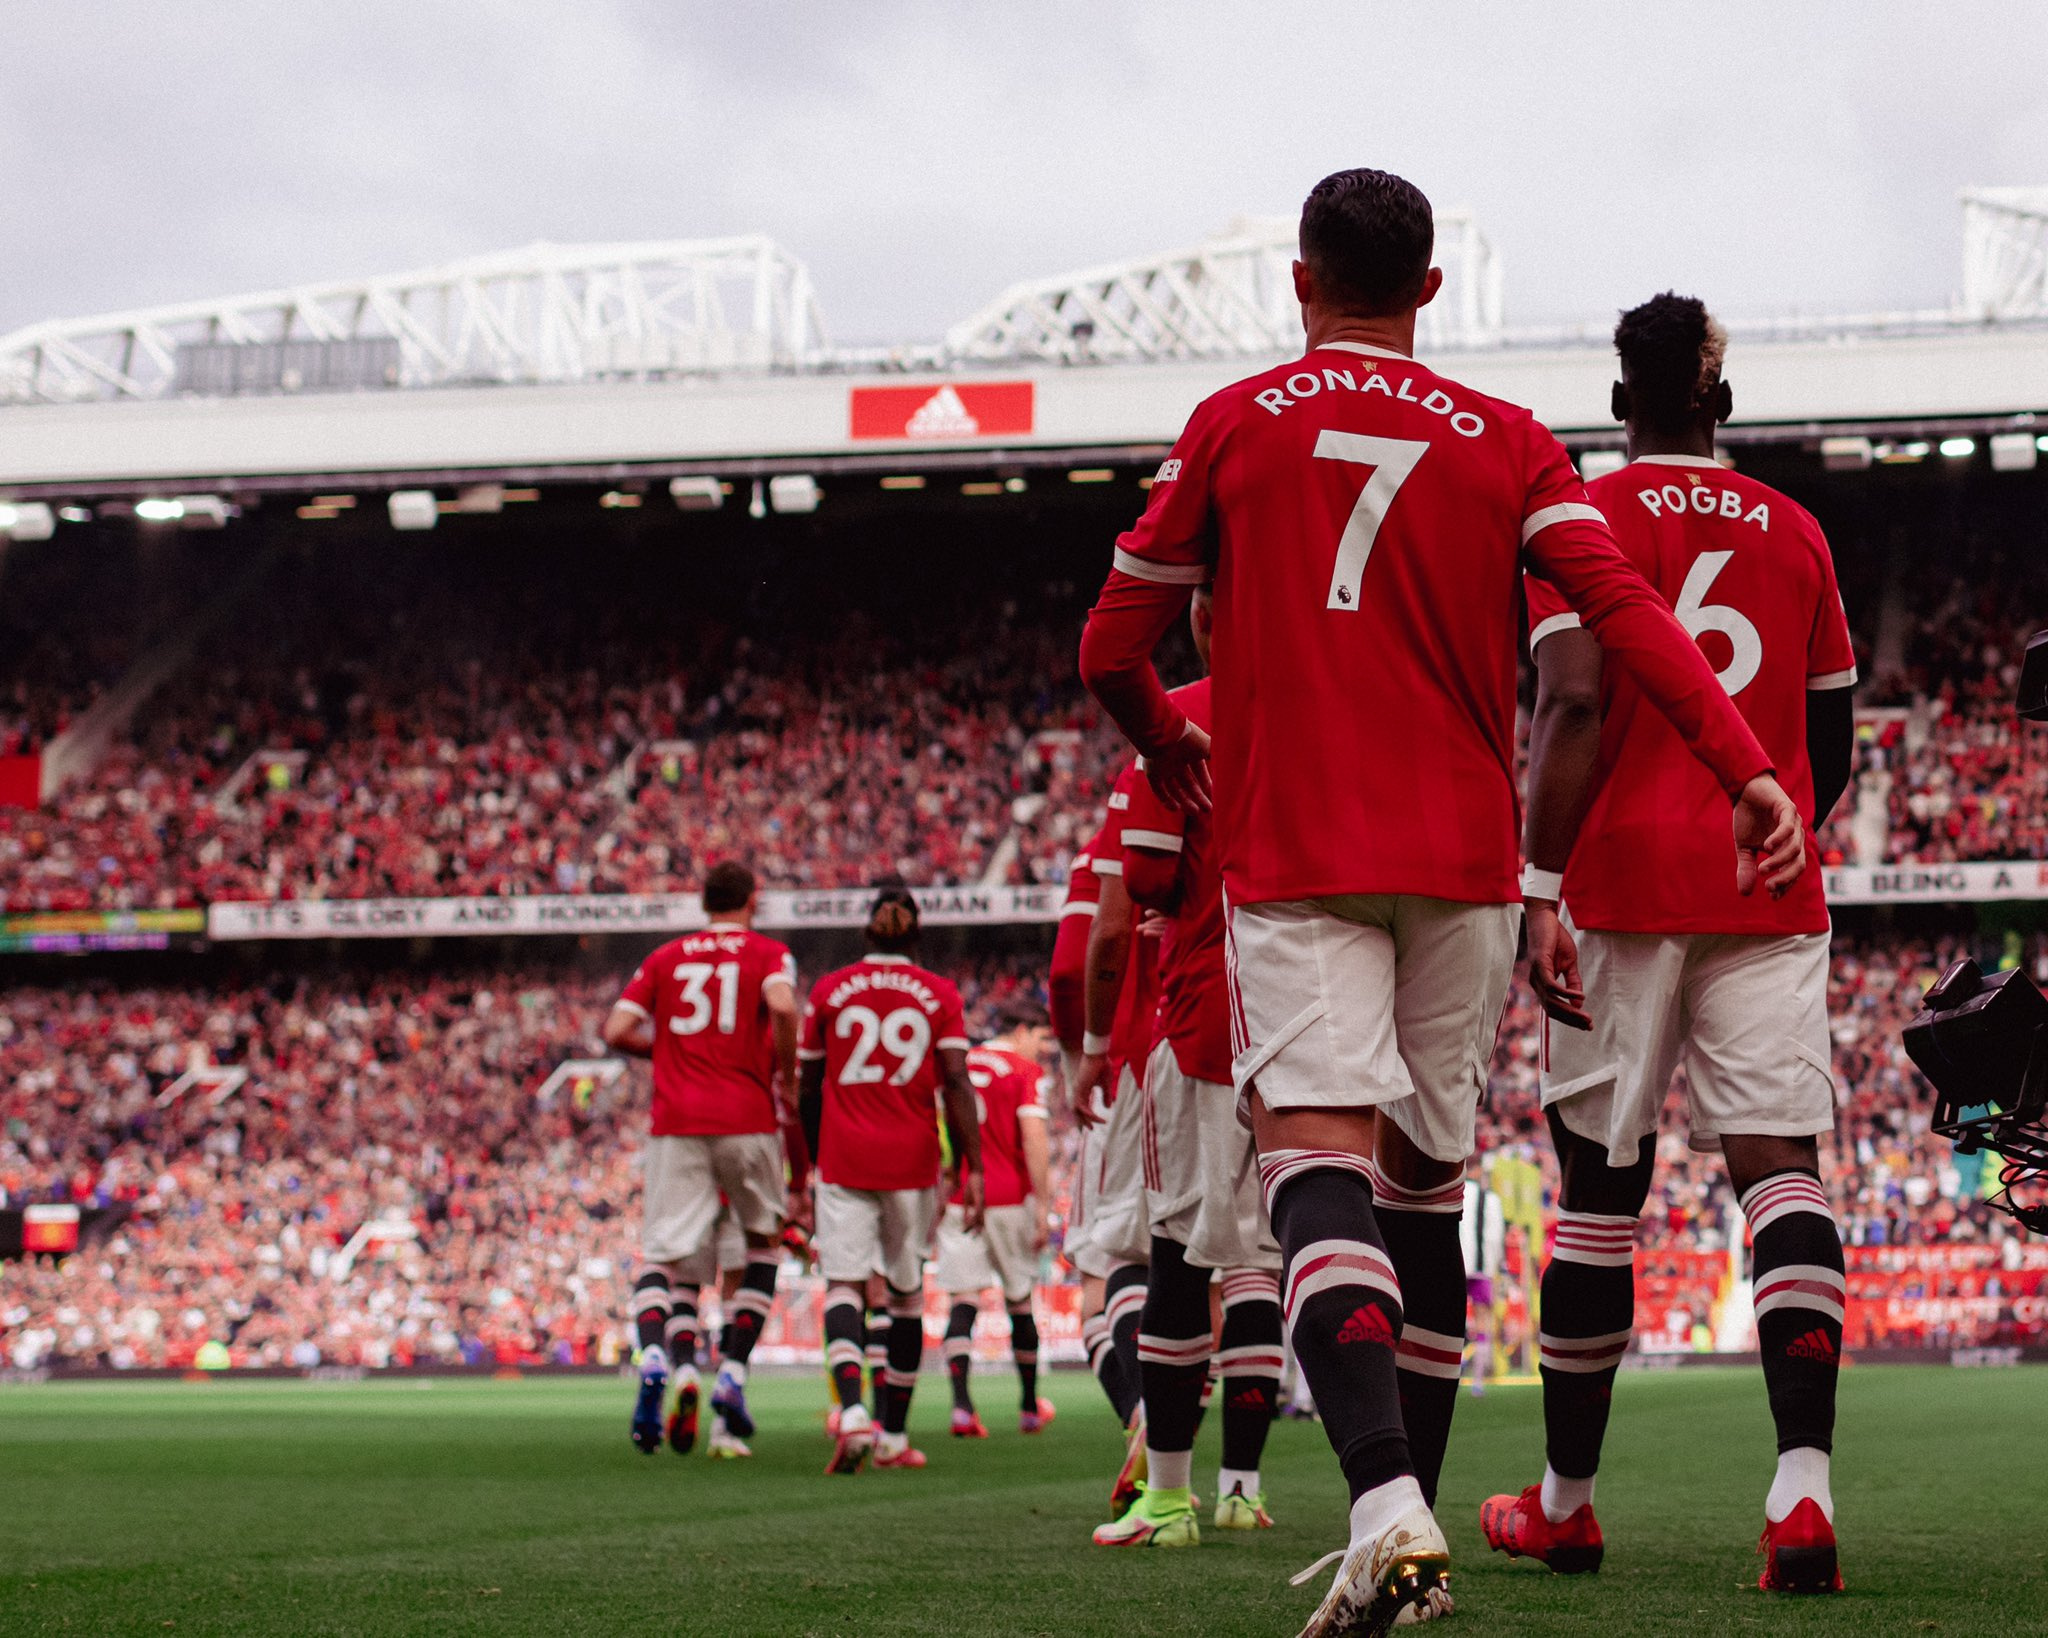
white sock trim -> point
(1563, 1497)
(1168, 1469)
(1228, 1476)
(1802, 1473)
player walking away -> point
(882, 1040)
(716, 1011)
(1679, 968)
(1009, 1080)
(1483, 1239)
(1365, 520)
(1120, 995)
(1205, 1210)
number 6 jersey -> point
(714, 1055)
(879, 1026)
(1748, 574)
(1366, 521)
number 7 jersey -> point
(1748, 573)
(1366, 521)
(879, 1026)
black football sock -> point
(1107, 1367)
(747, 1313)
(1124, 1307)
(1420, 1228)
(1024, 1349)
(679, 1334)
(1588, 1312)
(843, 1343)
(960, 1354)
(1174, 1346)
(1799, 1286)
(1342, 1307)
(650, 1307)
(906, 1353)
(876, 1356)
(1249, 1356)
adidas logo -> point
(1367, 1325)
(942, 415)
(1249, 1399)
(1814, 1345)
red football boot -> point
(1518, 1526)
(1799, 1552)
(967, 1425)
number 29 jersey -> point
(714, 1056)
(1748, 573)
(1366, 521)
(879, 1026)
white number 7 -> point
(1391, 459)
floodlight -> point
(1845, 454)
(159, 509)
(413, 509)
(794, 492)
(1957, 448)
(2014, 452)
(201, 511)
(696, 494)
(27, 520)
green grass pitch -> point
(519, 1507)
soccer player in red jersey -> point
(716, 1011)
(1365, 521)
(1203, 1201)
(883, 1041)
(1120, 992)
(1675, 966)
(1009, 1079)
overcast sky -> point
(1774, 158)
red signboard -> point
(49, 1229)
(941, 413)
(21, 781)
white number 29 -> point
(1696, 614)
(904, 1035)
(1391, 460)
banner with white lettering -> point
(609, 913)
(1938, 884)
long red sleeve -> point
(1116, 657)
(1575, 552)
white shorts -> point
(1373, 1000)
(999, 1254)
(726, 1249)
(682, 1179)
(867, 1231)
(1746, 1014)
(1109, 1198)
(1201, 1170)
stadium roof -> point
(612, 360)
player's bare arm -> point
(1564, 745)
(1830, 746)
(784, 1016)
(963, 1126)
(1036, 1143)
(1109, 951)
(628, 1029)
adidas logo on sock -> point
(1814, 1345)
(1249, 1399)
(1367, 1325)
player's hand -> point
(1180, 773)
(797, 1209)
(1554, 965)
(973, 1201)
(1770, 838)
(1090, 1073)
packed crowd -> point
(415, 1101)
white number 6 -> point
(1696, 614)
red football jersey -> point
(1365, 521)
(1136, 1027)
(1194, 1002)
(714, 1056)
(880, 1025)
(1009, 1089)
(1748, 573)
(1066, 981)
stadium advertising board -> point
(1938, 884)
(953, 409)
(70, 930)
(607, 913)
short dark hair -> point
(1671, 349)
(1022, 1012)
(1367, 237)
(727, 886)
(893, 921)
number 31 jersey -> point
(879, 1027)
(1749, 575)
(714, 1057)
